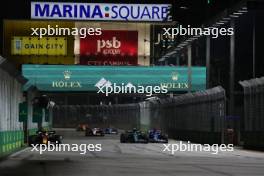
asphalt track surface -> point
(118, 159)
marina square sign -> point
(85, 78)
(101, 11)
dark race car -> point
(110, 131)
(94, 132)
(156, 136)
(134, 136)
(82, 127)
(43, 137)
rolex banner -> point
(111, 48)
(87, 78)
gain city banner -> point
(113, 47)
(87, 78)
(28, 45)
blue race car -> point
(156, 136)
(110, 131)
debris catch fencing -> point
(118, 116)
(253, 133)
(197, 117)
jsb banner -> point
(110, 48)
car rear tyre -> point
(122, 138)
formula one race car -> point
(156, 136)
(110, 131)
(43, 137)
(82, 127)
(134, 136)
(94, 132)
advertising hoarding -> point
(22, 28)
(85, 78)
(100, 11)
(113, 47)
(28, 45)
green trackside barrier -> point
(10, 141)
